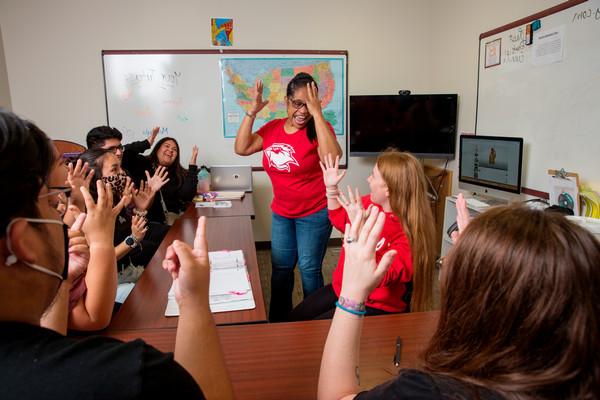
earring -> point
(10, 260)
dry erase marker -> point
(528, 34)
(397, 352)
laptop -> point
(231, 178)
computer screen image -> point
(491, 161)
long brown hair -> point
(520, 308)
(407, 187)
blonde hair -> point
(407, 187)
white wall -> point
(458, 26)
(54, 63)
(54, 67)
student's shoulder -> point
(134, 369)
(415, 384)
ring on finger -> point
(350, 239)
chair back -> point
(69, 148)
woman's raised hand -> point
(257, 102)
(142, 197)
(78, 176)
(462, 216)
(79, 251)
(139, 227)
(129, 188)
(331, 174)
(361, 272)
(352, 204)
(313, 103)
(194, 157)
(99, 224)
(159, 179)
(153, 134)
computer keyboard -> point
(475, 203)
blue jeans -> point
(302, 240)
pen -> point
(397, 353)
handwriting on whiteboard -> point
(514, 53)
(589, 14)
(164, 80)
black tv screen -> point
(423, 124)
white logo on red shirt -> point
(380, 244)
(280, 156)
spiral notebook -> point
(230, 288)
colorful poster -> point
(222, 31)
(238, 76)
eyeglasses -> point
(114, 149)
(297, 104)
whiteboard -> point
(551, 100)
(187, 93)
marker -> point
(398, 350)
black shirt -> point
(37, 363)
(176, 193)
(413, 384)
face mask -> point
(12, 259)
(117, 182)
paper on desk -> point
(214, 204)
(229, 289)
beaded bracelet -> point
(140, 213)
(351, 304)
(348, 310)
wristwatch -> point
(131, 241)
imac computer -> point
(490, 167)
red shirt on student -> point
(387, 296)
(292, 163)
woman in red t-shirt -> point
(292, 148)
(399, 189)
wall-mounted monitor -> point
(493, 162)
(423, 124)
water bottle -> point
(203, 180)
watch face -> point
(129, 241)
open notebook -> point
(229, 289)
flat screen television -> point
(493, 162)
(423, 124)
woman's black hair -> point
(95, 159)
(299, 81)
(175, 170)
(26, 159)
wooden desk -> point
(145, 306)
(281, 361)
(243, 207)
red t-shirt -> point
(388, 295)
(292, 163)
